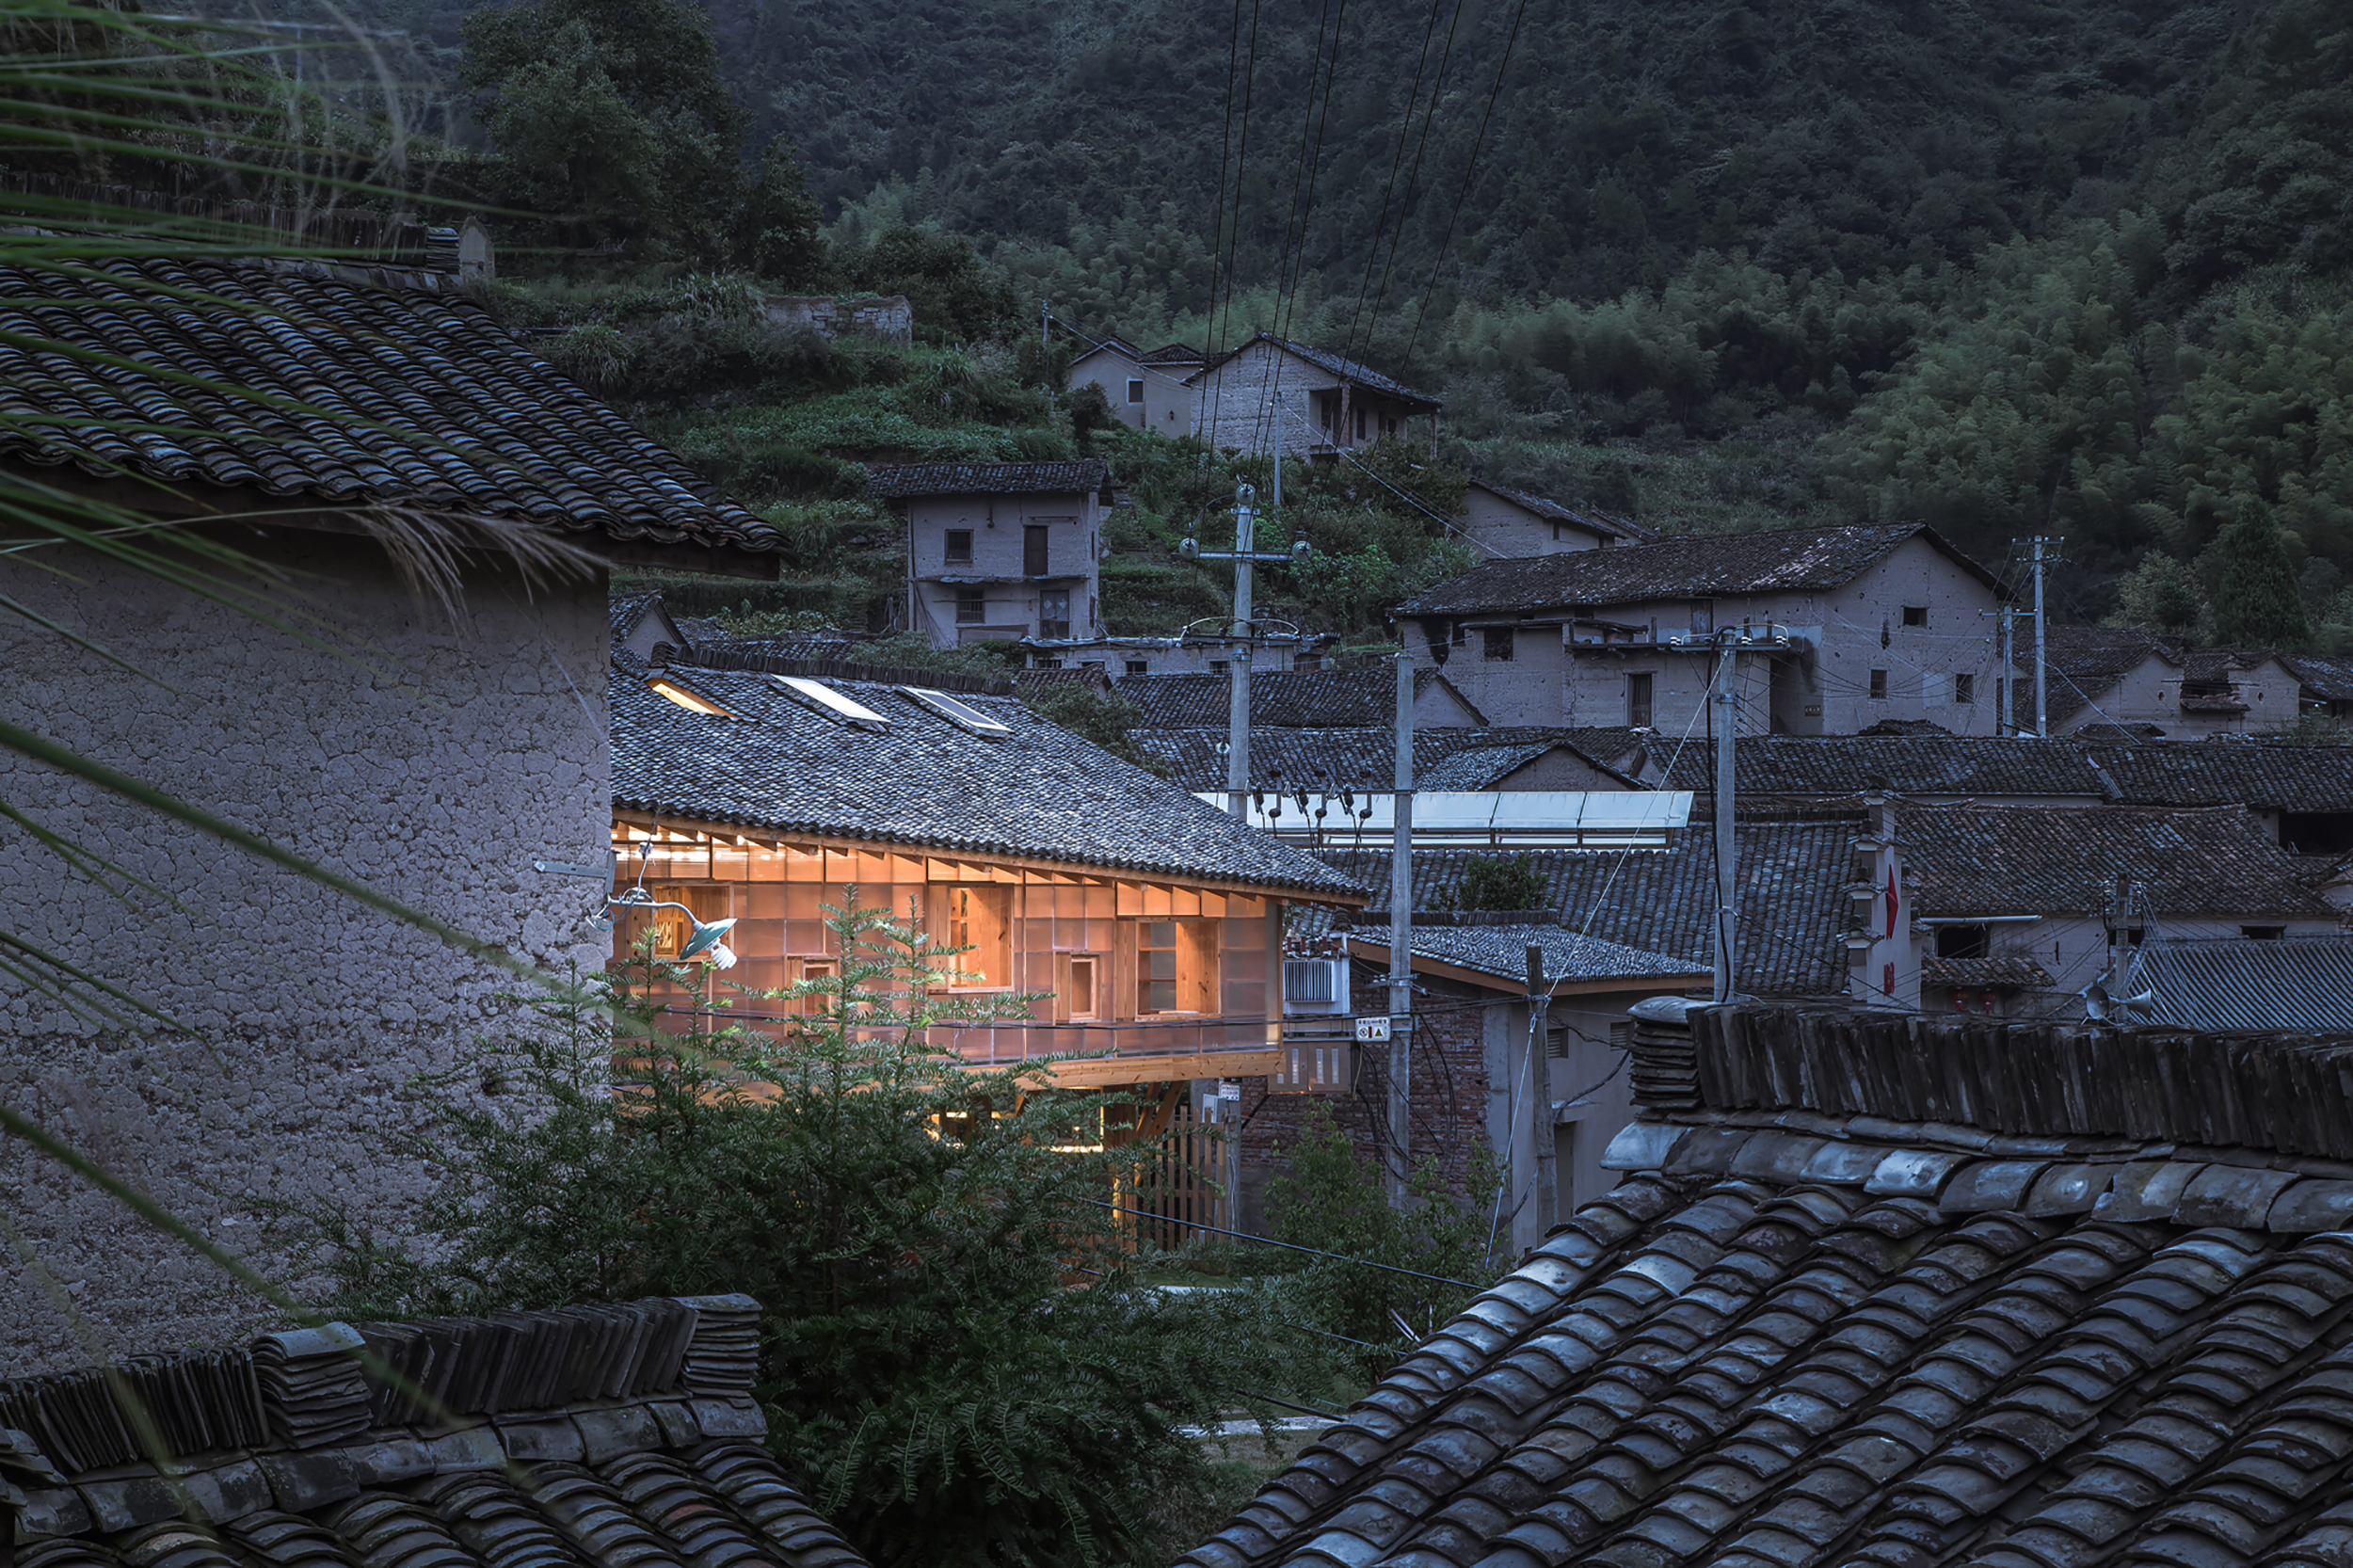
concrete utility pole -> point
(1237, 673)
(2004, 694)
(2041, 649)
(1540, 1093)
(1401, 936)
(1724, 699)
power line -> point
(1233, 247)
(1404, 128)
(1469, 173)
(1225, 153)
(1413, 176)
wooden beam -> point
(1098, 1072)
(777, 839)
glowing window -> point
(1176, 967)
(693, 701)
(981, 920)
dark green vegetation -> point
(2011, 268)
(958, 1355)
(1493, 882)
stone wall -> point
(891, 320)
(434, 764)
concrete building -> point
(1145, 389)
(1873, 624)
(1272, 393)
(430, 750)
(999, 552)
(1508, 524)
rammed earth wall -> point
(433, 765)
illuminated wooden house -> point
(1150, 923)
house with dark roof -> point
(1363, 759)
(998, 552)
(1146, 387)
(343, 425)
(2324, 684)
(1298, 699)
(1847, 627)
(1949, 1292)
(2015, 910)
(583, 1434)
(1179, 653)
(1273, 395)
(2129, 677)
(1506, 524)
(1148, 925)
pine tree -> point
(2256, 603)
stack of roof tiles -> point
(623, 1436)
(1802, 1337)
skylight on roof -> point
(958, 712)
(688, 698)
(817, 695)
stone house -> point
(1955, 1292)
(2014, 910)
(2327, 685)
(1271, 393)
(1148, 924)
(1145, 389)
(999, 552)
(1509, 524)
(431, 751)
(2131, 678)
(1867, 625)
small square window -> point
(1915, 615)
(2262, 933)
(972, 606)
(1878, 684)
(1135, 391)
(1139, 666)
(959, 547)
(1964, 688)
(1497, 642)
(1219, 666)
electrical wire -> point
(1413, 177)
(1405, 125)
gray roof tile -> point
(899, 481)
(1037, 791)
(2065, 861)
(439, 406)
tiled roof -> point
(627, 610)
(2011, 973)
(1841, 766)
(1173, 354)
(1361, 757)
(2084, 661)
(367, 395)
(2294, 982)
(2329, 680)
(1690, 566)
(1279, 699)
(1346, 369)
(1039, 791)
(2233, 772)
(1798, 1340)
(594, 1434)
(2065, 859)
(891, 482)
(1590, 518)
(1793, 917)
(1502, 951)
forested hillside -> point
(2011, 267)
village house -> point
(1845, 628)
(1298, 699)
(1145, 389)
(1274, 395)
(433, 750)
(499, 1438)
(2326, 685)
(1511, 524)
(1954, 1291)
(998, 552)
(1362, 759)
(2014, 910)
(2101, 676)
(1148, 925)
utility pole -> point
(2004, 694)
(1278, 450)
(1401, 933)
(1540, 1093)
(1238, 672)
(1045, 335)
(2041, 649)
(1727, 713)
